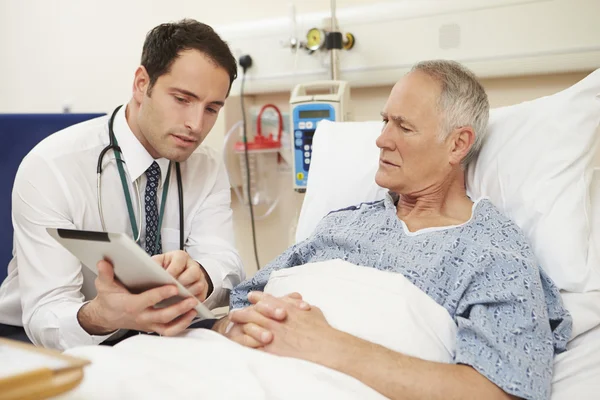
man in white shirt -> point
(185, 76)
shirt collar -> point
(137, 159)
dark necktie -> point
(153, 175)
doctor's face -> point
(179, 111)
(413, 160)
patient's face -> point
(413, 160)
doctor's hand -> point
(114, 307)
(187, 271)
(241, 327)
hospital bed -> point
(540, 165)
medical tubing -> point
(279, 120)
(111, 146)
(245, 140)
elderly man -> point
(462, 252)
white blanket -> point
(381, 307)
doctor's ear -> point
(141, 84)
(461, 141)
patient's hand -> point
(240, 327)
(302, 334)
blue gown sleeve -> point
(289, 258)
(510, 325)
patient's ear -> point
(460, 142)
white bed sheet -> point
(577, 371)
(206, 365)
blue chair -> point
(19, 133)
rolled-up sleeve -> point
(504, 328)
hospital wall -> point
(83, 54)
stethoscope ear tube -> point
(111, 144)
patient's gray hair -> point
(463, 101)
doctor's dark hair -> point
(165, 42)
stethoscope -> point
(114, 146)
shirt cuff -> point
(71, 333)
(204, 324)
(218, 297)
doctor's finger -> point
(106, 273)
(176, 262)
(106, 278)
(199, 290)
(190, 275)
(153, 296)
(178, 325)
(165, 315)
(176, 268)
(160, 259)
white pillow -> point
(536, 167)
(342, 171)
(595, 207)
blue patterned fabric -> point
(509, 314)
(151, 202)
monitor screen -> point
(314, 114)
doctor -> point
(156, 184)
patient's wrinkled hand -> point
(241, 325)
(303, 334)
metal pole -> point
(334, 54)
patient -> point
(462, 252)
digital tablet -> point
(133, 267)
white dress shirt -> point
(55, 187)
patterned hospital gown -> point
(509, 314)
